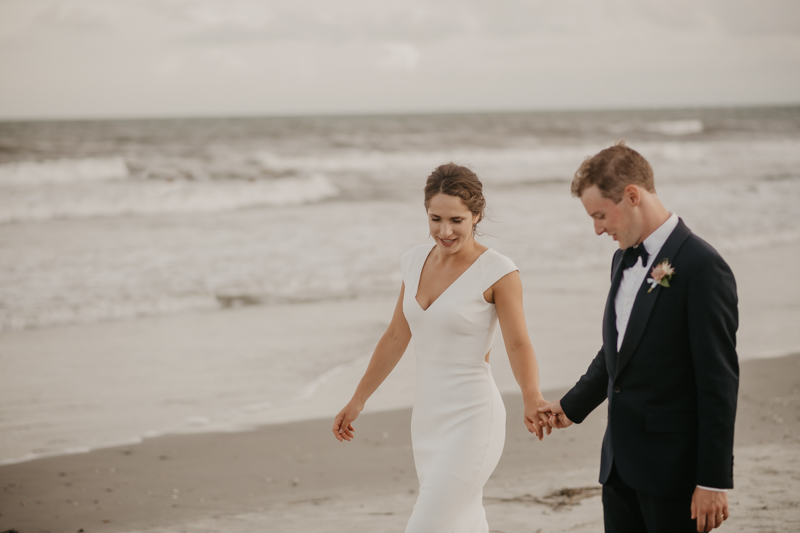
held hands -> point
(555, 416)
(540, 416)
(710, 508)
(343, 423)
(535, 420)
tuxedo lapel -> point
(610, 315)
(645, 302)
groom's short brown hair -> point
(612, 170)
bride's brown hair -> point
(457, 180)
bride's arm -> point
(387, 353)
(507, 296)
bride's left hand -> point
(535, 421)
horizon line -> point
(384, 113)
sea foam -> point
(675, 127)
(153, 197)
(63, 171)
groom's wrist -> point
(711, 489)
(570, 411)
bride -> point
(454, 292)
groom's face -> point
(618, 219)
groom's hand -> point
(557, 418)
(710, 508)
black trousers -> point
(626, 510)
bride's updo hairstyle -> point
(455, 180)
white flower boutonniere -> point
(660, 275)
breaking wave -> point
(152, 197)
(63, 171)
(675, 127)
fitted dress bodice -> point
(460, 324)
(458, 420)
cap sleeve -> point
(409, 261)
(494, 267)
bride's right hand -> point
(343, 424)
(558, 418)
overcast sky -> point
(102, 58)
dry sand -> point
(296, 477)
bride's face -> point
(450, 222)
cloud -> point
(71, 16)
(317, 21)
(101, 57)
(411, 21)
(400, 56)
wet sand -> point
(297, 477)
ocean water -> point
(109, 221)
(213, 213)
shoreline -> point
(296, 473)
(255, 427)
(92, 386)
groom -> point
(668, 364)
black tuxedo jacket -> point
(672, 387)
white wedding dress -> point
(458, 421)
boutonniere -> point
(660, 275)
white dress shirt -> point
(634, 276)
(632, 279)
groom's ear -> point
(632, 195)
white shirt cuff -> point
(711, 489)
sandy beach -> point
(294, 476)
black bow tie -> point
(632, 254)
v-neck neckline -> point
(419, 278)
